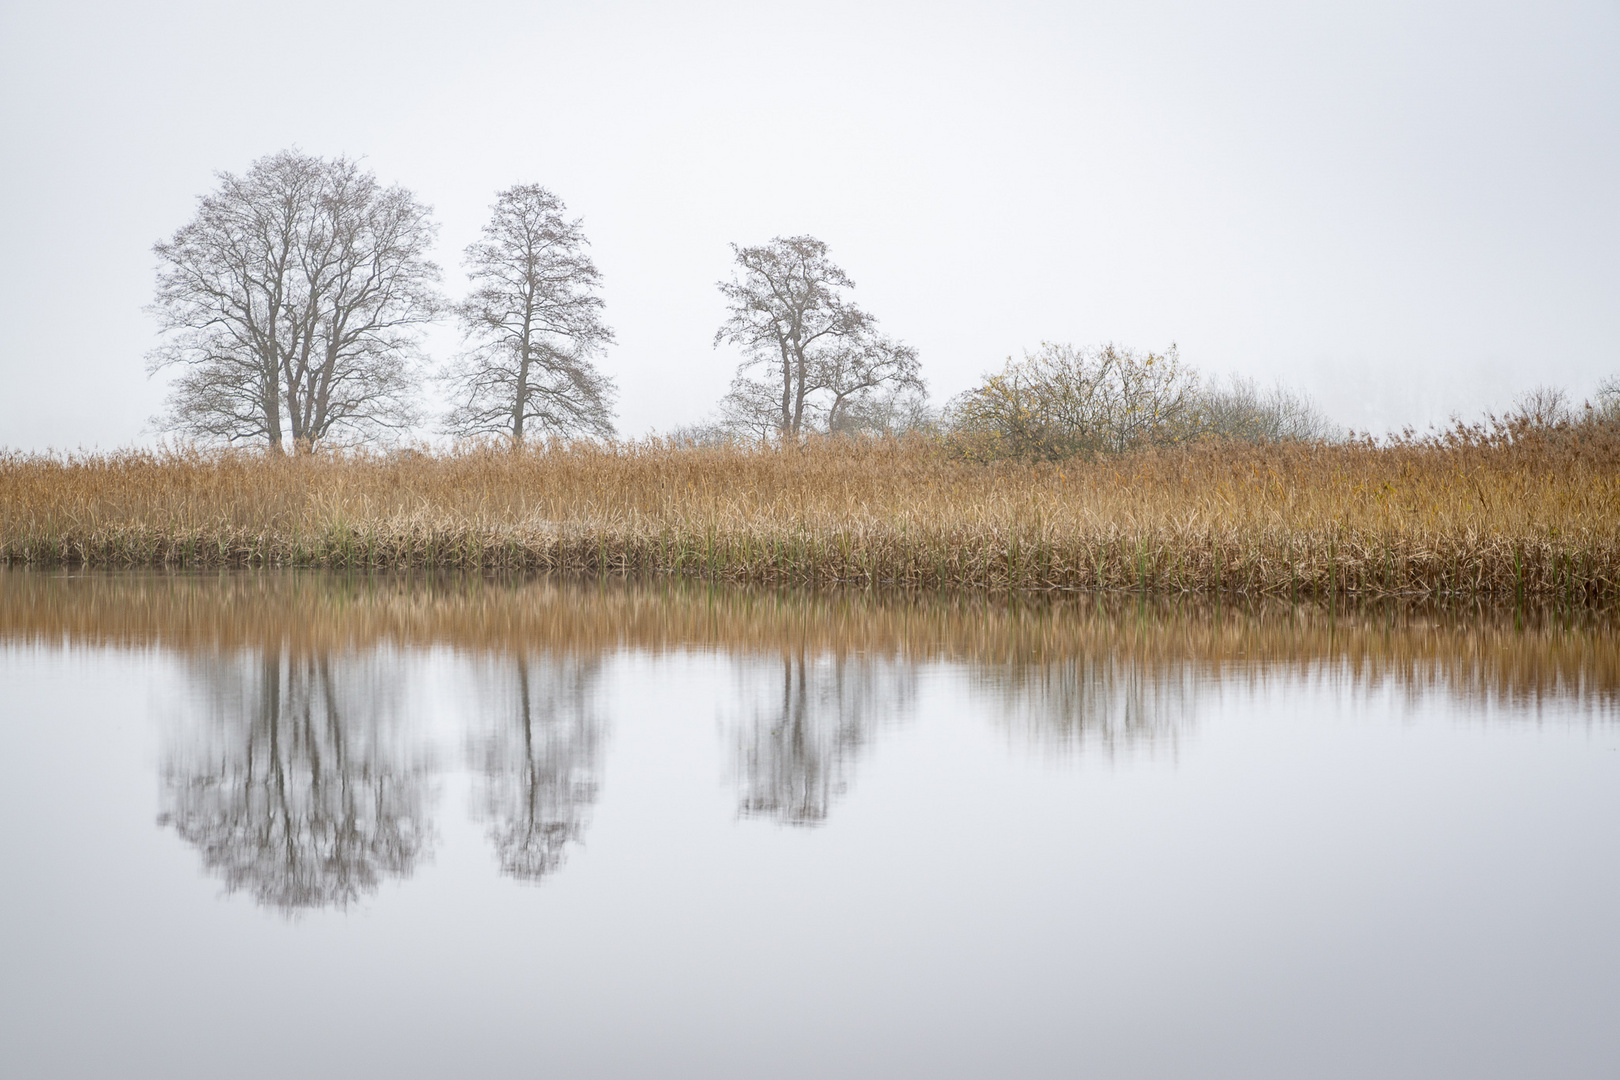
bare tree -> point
(1607, 409)
(533, 323)
(1543, 407)
(293, 302)
(872, 383)
(822, 357)
(1240, 409)
(751, 409)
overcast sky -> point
(1406, 209)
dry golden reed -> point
(1519, 518)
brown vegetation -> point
(1512, 512)
(1491, 653)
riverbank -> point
(1479, 517)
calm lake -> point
(314, 825)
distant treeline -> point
(293, 305)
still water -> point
(304, 825)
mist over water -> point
(372, 825)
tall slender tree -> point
(292, 304)
(533, 323)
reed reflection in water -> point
(1495, 655)
(296, 784)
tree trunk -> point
(270, 398)
(799, 391)
(786, 423)
(521, 401)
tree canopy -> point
(292, 303)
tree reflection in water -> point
(540, 759)
(804, 722)
(300, 790)
(298, 787)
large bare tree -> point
(293, 303)
(533, 323)
(824, 363)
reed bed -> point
(1498, 518)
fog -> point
(1406, 210)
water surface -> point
(269, 825)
